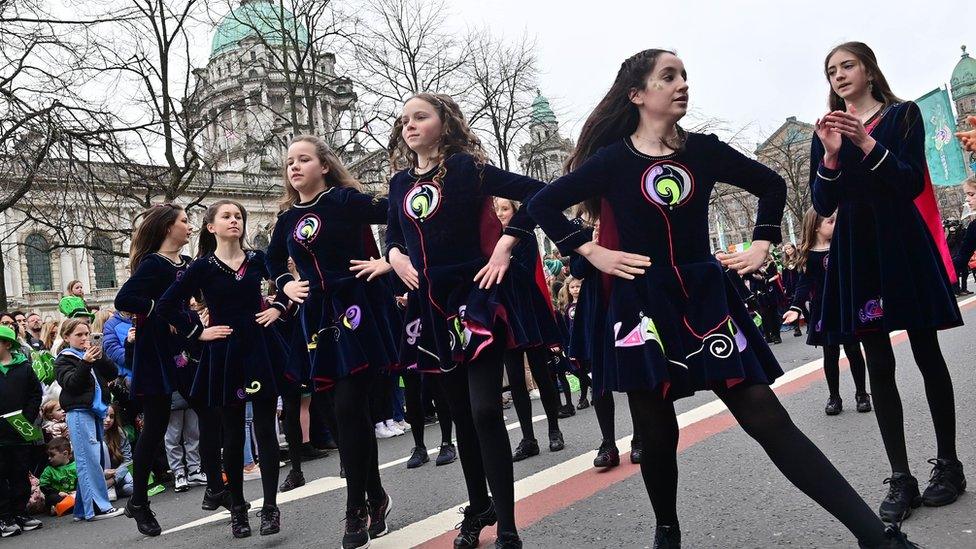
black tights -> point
(887, 402)
(538, 365)
(413, 392)
(605, 411)
(265, 414)
(291, 409)
(761, 415)
(155, 413)
(472, 390)
(357, 439)
(584, 378)
(832, 367)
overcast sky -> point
(750, 62)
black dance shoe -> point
(239, 526)
(270, 520)
(556, 441)
(584, 403)
(292, 481)
(418, 457)
(863, 401)
(902, 497)
(636, 451)
(447, 454)
(607, 456)
(469, 530)
(835, 405)
(309, 452)
(212, 500)
(357, 535)
(893, 539)
(667, 537)
(526, 449)
(377, 516)
(566, 411)
(946, 483)
(145, 519)
(508, 540)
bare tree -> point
(503, 79)
(403, 47)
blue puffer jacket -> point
(113, 342)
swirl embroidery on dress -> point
(352, 317)
(413, 332)
(871, 311)
(668, 184)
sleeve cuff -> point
(875, 158)
(518, 232)
(772, 233)
(282, 280)
(796, 309)
(278, 305)
(394, 246)
(828, 174)
(572, 241)
(195, 331)
(152, 305)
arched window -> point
(104, 262)
(260, 242)
(37, 251)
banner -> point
(942, 150)
(23, 427)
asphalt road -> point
(730, 495)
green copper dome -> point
(256, 17)
(541, 111)
(963, 81)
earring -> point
(871, 85)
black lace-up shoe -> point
(239, 525)
(902, 497)
(469, 530)
(144, 517)
(526, 449)
(418, 457)
(377, 517)
(447, 455)
(357, 534)
(667, 537)
(607, 456)
(893, 539)
(270, 520)
(946, 483)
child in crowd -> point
(84, 373)
(72, 305)
(116, 455)
(20, 397)
(54, 424)
(59, 479)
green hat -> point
(73, 306)
(7, 334)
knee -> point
(486, 412)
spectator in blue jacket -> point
(114, 342)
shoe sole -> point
(31, 528)
(10, 534)
(386, 529)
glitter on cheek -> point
(657, 86)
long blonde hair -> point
(565, 298)
(456, 135)
(101, 317)
(49, 333)
(337, 176)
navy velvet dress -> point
(445, 222)
(532, 318)
(249, 363)
(681, 326)
(885, 271)
(584, 316)
(158, 364)
(346, 324)
(810, 287)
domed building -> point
(962, 85)
(254, 96)
(546, 152)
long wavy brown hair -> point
(337, 176)
(113, 438)
(811, 224)
(151, 232)
(616, 117)
(456, 135)
(880, 90)
(207, 243)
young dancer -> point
(527, 265)
(790, 275)
(889, 265)
(446, 243)
(158, 364)
(674, 325)
(346, 332)
(242, 358)
(580, 299)
(811, 263)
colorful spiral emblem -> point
(307, 229)
(352, 317)
(668, 184)
(422, 201)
